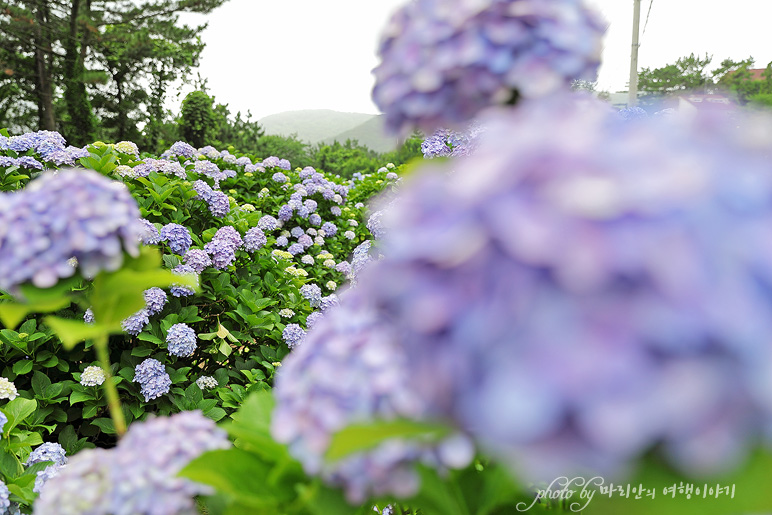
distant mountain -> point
(312, 125)
(370, 134)
(325, 125)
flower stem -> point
(113, 401)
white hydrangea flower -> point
(207, 382)
(286, 313)
(7, 389)
(331, 285)
(92, 376)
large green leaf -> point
(361, 437)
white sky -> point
(273, 56)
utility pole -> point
(632, 99)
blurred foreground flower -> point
(61, 215)
(584, 289)
(137, 476)
(443, 61)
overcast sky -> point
(274, 56)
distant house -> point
(704, 103)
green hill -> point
(313, 125)
(370, 134)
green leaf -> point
(70, 332)
(105, 424)
(237, 473)
(40, 382)
(22, 367)
(356, 438)
(11, 313)
(77, 396)
(17, 411)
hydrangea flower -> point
(127, 147)
(152, 378)
(279, 177)
(92, 376)
(135, 323)
(270, 162)
(293, 335)
(49, 451)
(286, 313)
(307, 259)
(43, 476)
(182, 149)
(633, 113)
(254, 239)
(7, 389)
(197, 259)
(155, 300)
(181, 340)
(315, 219)
(219, 204)
(285, 213)
(179, 290)
(312, 293)
(223, 247)
(310, 204)
(88, 316)
(375, 225)
(178, 238)
(3, 421)
(349, 370)
(100, 481)
(295, 249)
(343, 267)
(349, 235)
(282, 241)
(58, 216)
(305, 240)
(207, 382)
(267, 223)
(149, 234)
(5, 502)
(313, 318)
(329, 228)
(443, 61)
(552, 252)
(447, 143)
(335, 210)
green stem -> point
(113, 401)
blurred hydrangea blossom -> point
(584, 289)
(116, 481)
(443, 61)
(61, 215)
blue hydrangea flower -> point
(293, 335)
(270, 162)
(135, 323)
(101, 481)
(152, 378)
(58, 216)
(178, 238)
(3, 421)
(149, 233)
(203, 190)
(254, 239)
(335, 210)
(155, 300)
(329, 228)
(223, 247)
(310, 204)
(218, 203)
(179, 290)
(181, 340)
(282, 241)
(48, 451)
(315, 219)
(443, 61)
(267, 223)
(197, 259)
(5, 502)
(88, 316)
(43, 476)
(312, 293)
(313, 318)
(182, 149)
(584, 290)
(349, 370)
(285, 213)
(28, 162)
(447, 143)
(279, 177)
(296, 232)
(284, 164)
(295, 249)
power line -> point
(647, 17)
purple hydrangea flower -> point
(282, 241)
(49, 451)
(223, 247)
(442, 62)
(178, 238)
(88, 316)
(315, 219)
(270, 162)
(284, 164)
(297, 231)
(218, 203)
(349, 370)
(305, 240)
(335, 210)
(254, 239)
(594, 291)
(58, 216)
(293, 335)
(149, 233)
(310, 204)
(197, 259)
(313, 318)
(330, 229)
(312, 293)
(328, 194)
(152, 378)
(181, 340)
(328, 302)
(267, 223)
(43, 476)
(155, 300)
(375, 225)
(343, 267)
(183, 149)
(295, 249)
(99, 481)
(285, 213)
(135, 323)
(28, 162)
(203, 190)
(279, 177)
